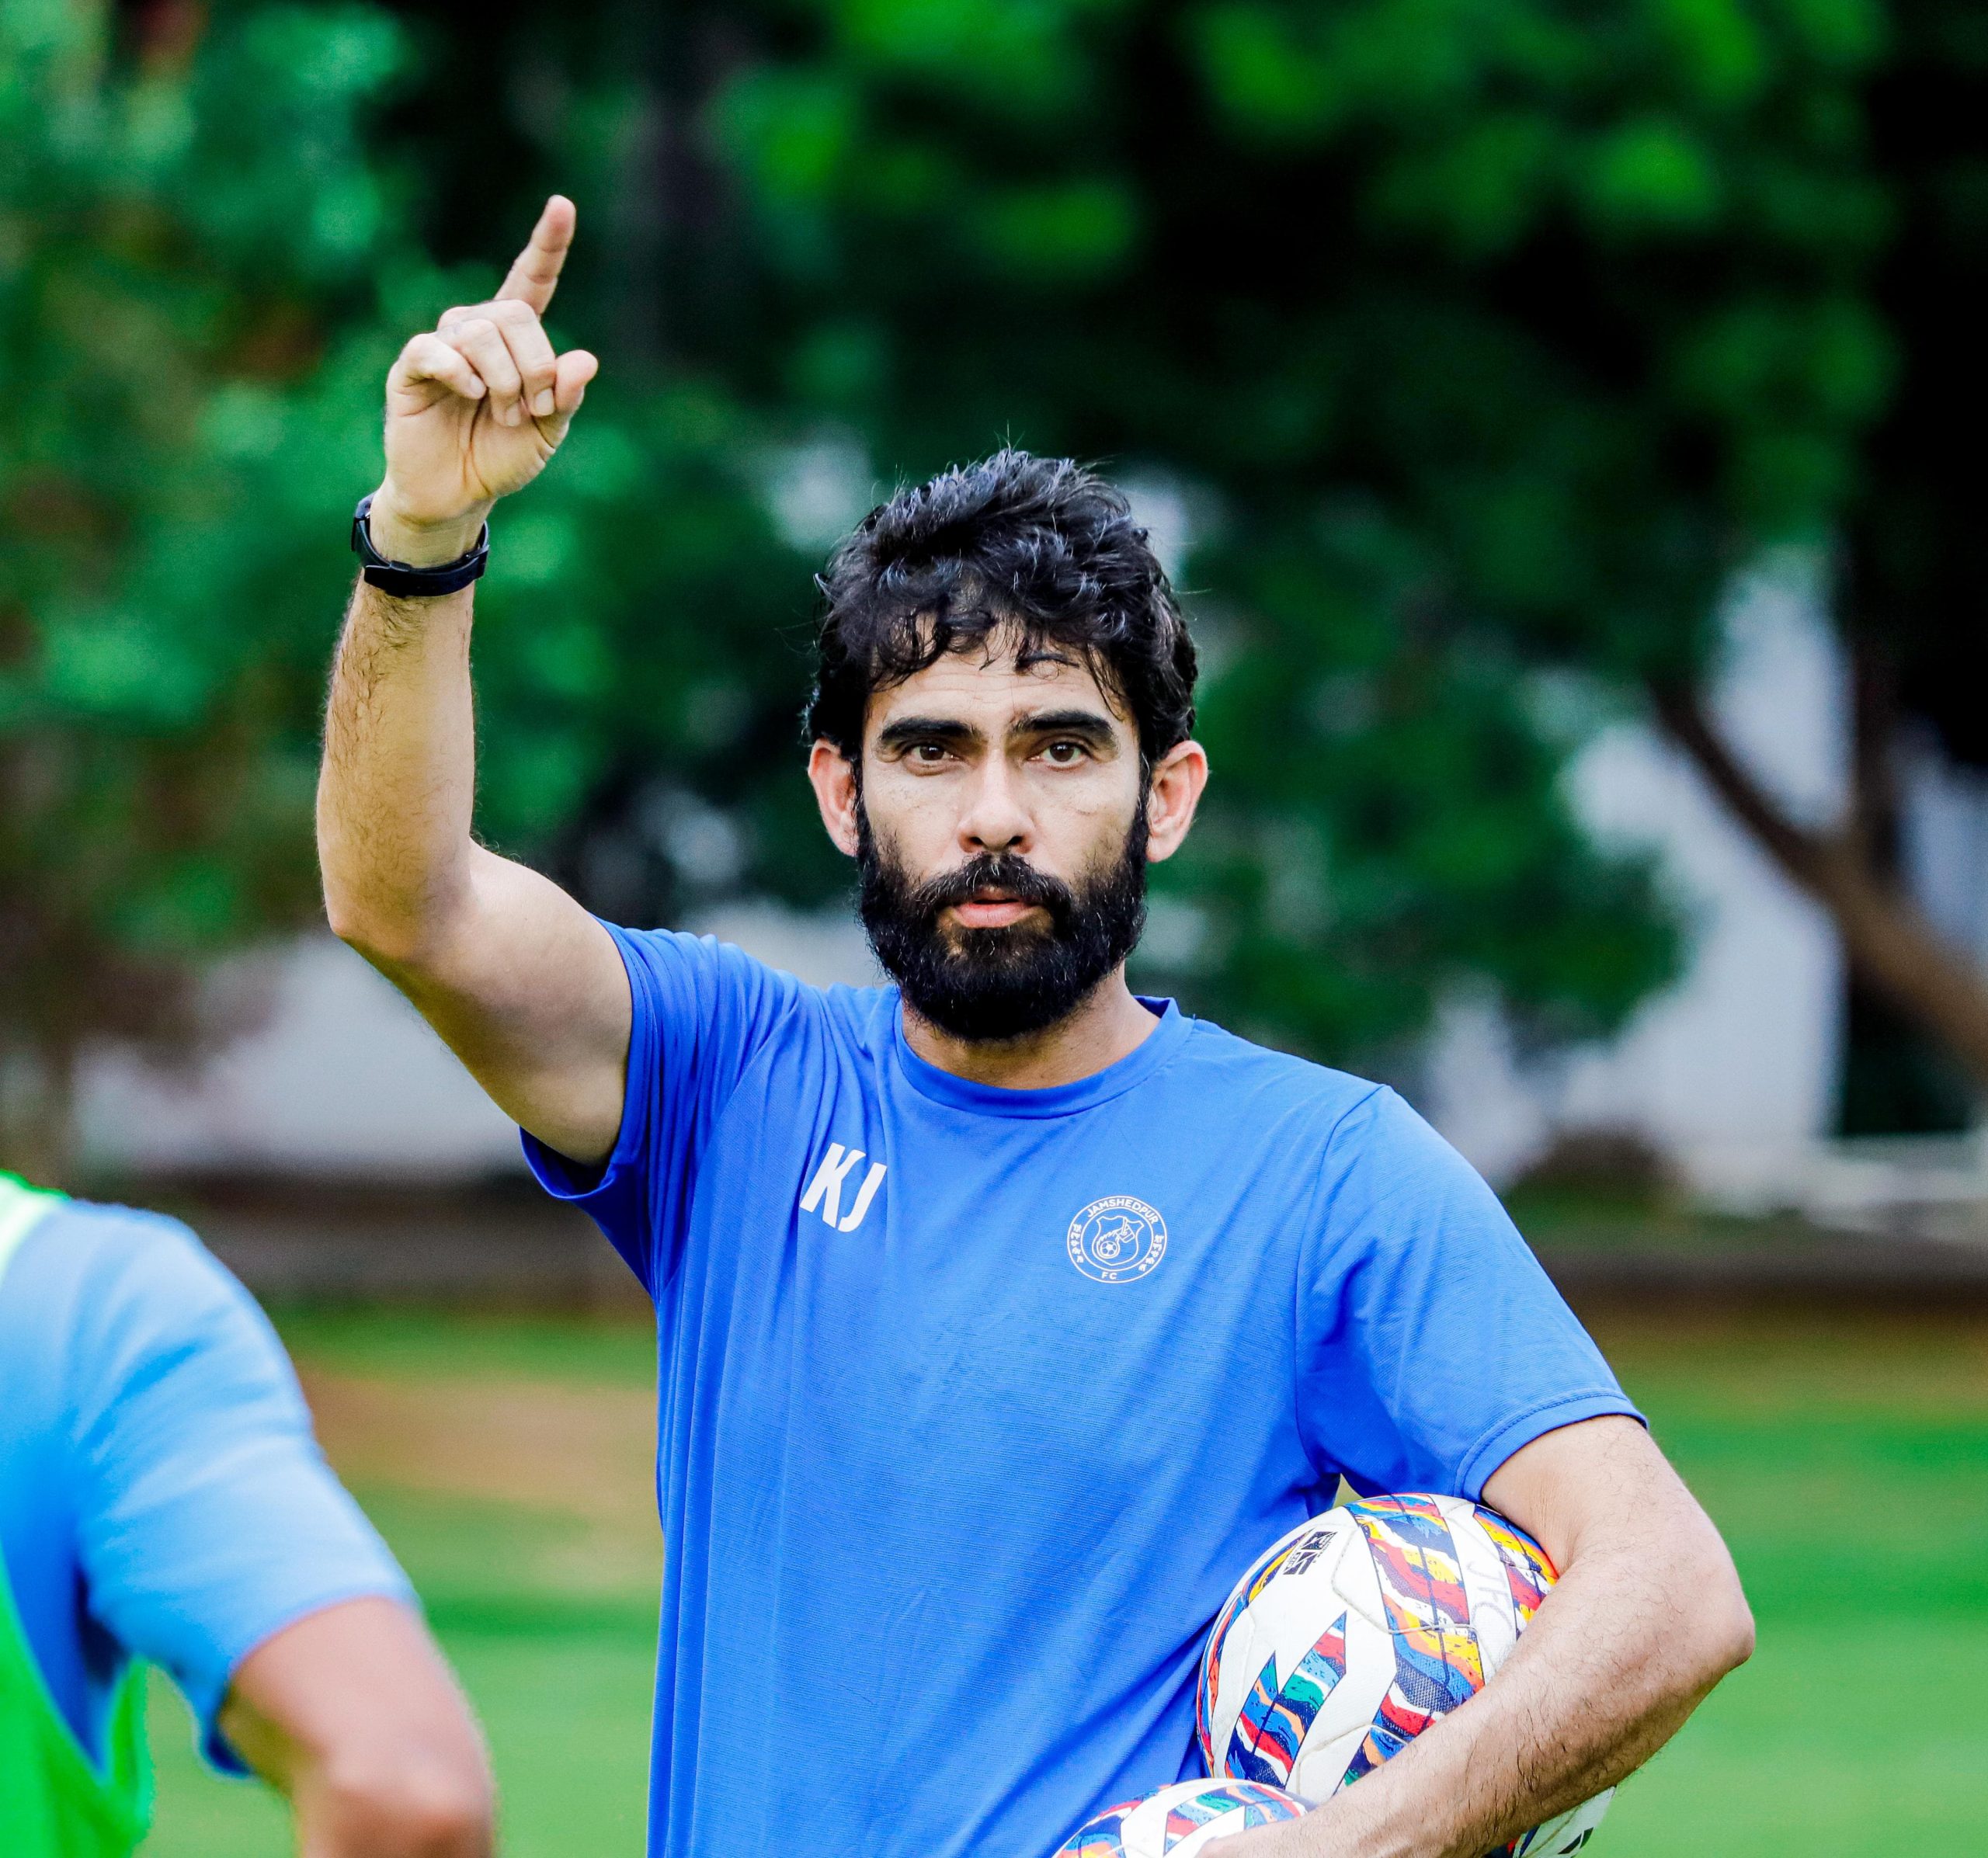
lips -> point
(992, 909)
(990, 894)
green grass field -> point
(1846, 1461)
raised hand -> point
(476, 407)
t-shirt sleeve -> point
(207, 1520)
(1431, 1345)
(703, 1011)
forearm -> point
(397, 788)
(1647, 1615)
(526, 988)
(338, 1819)
(475, 409)
(1617, 1659)
(351, 1715)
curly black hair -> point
(1042, 546)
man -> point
(161, 1497)
(1004, 1316)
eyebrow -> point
(909, 729)
(1088, 723)
(1064, 722)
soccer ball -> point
(1179, 1820)
(1359, 1629)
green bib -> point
(54, 1803)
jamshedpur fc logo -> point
(1117, 1239)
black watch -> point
(404, 579)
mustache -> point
(1016, 876)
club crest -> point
(1117, 1239)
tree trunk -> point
(37, 1105)
(1888, 943)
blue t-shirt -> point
(161, 1493)
(975, 1402)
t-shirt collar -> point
(1057, 1099)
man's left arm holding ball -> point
(1647, 1617)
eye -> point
(927, 755)
(1064, 754)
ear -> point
(833, 777)
(1177, 780)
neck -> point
(1108, 1024)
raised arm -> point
(523, 985)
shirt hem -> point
(559, 1175)
(1511, 1436)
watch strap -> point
(402, 579)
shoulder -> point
(113, 1295)
(678, 978)
(863, 1018)
(105, 1268)
(1300, 1096)
(674, 972)
(1366, 1148)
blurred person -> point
(1004, 1316)
(162, 1497)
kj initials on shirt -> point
(824, 1190)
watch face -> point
(362, 532)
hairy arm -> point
(523, 985)
(352, 1714)
(1647, 1617)
(521, 982)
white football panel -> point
(1277, 1621)
(1559, 1838)
(1240, 1645)
(1357, 1581)
(1249, 1644)
(1493, 1617)
(1287, 1619)
(1143, 1831)
(1323, 1761)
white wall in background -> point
(1736, 1066)
(340, 1075)
(825, 948)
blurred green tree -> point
(183, 209)
(1483, 342)
(205, 269)
(906, 232)
(1501, 333)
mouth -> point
(990, 907)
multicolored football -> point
(1178, 1821)
(1357, 1631)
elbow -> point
(395, 940)
(1724, 1620)
(413, 1804)
(397, 915)
(363, 930)
(1737, 1644)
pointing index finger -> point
(535, 274)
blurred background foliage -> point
(1473, 346)
(189, 226)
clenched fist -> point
(475, 409)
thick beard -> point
(988, 985)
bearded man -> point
(1004, 1316)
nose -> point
(995, 821)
